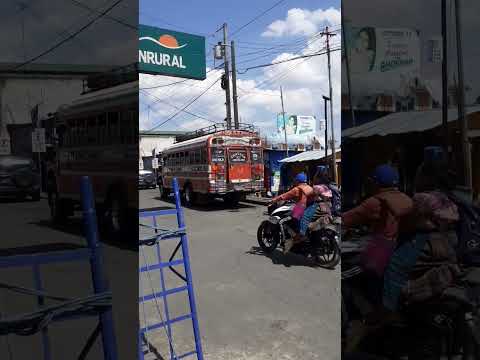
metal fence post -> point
(96, 262)
(188, 271)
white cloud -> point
(303, 22)
(304, 82)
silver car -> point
(19, 177)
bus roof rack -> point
(212, 129)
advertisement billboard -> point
(171, 53)
(297, 124)
(382, 59)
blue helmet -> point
(301, 178)
(385, 176)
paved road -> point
(250, 306)
(27, 224)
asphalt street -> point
(27, 224)
(250, 306)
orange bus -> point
(97, 136)
(214, 162)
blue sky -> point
(297, 33)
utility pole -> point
(467, 161)
(284, 122)
(234, 88)
(325, 99)
(347, 67)
(328, 34)
(444, 77)
(226, 76)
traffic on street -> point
(251, 305)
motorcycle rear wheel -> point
(327, 253)
(267, 237)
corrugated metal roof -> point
(161, 133)
(404, 122)
(308, 156)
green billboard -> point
(171, 53)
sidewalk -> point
(257, 200)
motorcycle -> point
(392, 339)
(321, 245)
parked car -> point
(146, 179)
(19, 177)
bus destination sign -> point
(171, 53)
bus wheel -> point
(232, 200)
(115, 215)
(189, 195)
(163, 191)
(57, 208)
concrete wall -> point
(18, 96)
(148, 143)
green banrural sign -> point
(171, 53)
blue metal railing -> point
(98, 305)
(154, 238)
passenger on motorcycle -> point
(303, 195)
(321, 211)
(322, 177)
(425, 265)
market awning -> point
(404, 122)
(308, 156)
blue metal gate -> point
(97, 305)
(154, 237)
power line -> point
(256, 18)
(176, 82)
(186, 106)
(274, 79)
(92, 10)
(287, 60)
(68, 38)
(297, 48)
(174, 106)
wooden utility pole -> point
(347, 68)
(329, 34)
(325, 99)
(444, 77)
(467, 158)
(284, 122)
(226, 77)
(234, 88)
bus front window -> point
(218, 155)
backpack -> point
(336, 200)
(468, 232)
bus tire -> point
(232, 200)
(58, 213)
(115, 214)
(164, 192)
(188, 195)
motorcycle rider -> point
(383, 213)
(303, 195)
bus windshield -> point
(218, 155)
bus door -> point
(239, 168)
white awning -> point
(308, 156)
(404, 122)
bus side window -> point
(113, 127)
(203, 157)
(92, 130)
(102, 129)
(186, 160)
